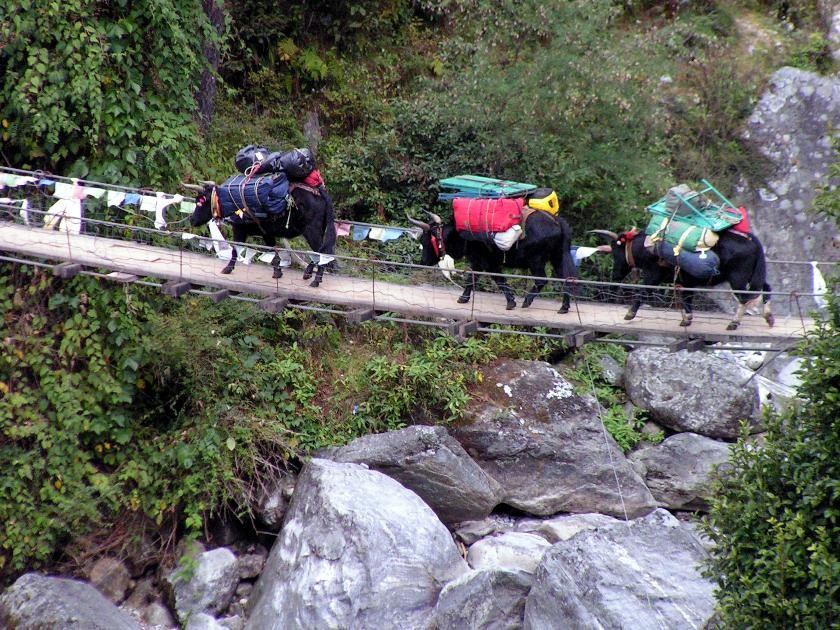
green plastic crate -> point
(478, 186)
(704, 208)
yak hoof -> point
(564, 309)
(732, 326)
(770, 320)
(527, 302)
(685, 322)
(463, 299)
(510, 305)
(307, 275)
(315, 283)
(277, 273)
(227, 270)
(629, 316)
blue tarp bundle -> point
(260, 196)
(702, 265)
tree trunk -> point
(206, 97)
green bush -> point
(776, 519)
(101, 90)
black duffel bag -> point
(298, 163)
(250, 155)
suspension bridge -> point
(363, 289)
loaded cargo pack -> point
(487, 216)
(258, 197)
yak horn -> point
(610, 235)
(434, 217)
(421, 224)
(193, 187)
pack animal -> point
(742, 264)
(547, 239)
(309, 213)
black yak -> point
(741, 263)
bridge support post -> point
(175, 288)
(66, 270)
(359, 315)
(691, 345)
(462, 330)
(577, 338)
(273, 304)
(219, 296)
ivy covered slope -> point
(122, 411)
(101, 89)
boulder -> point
(490, 599)
(357, 549)
(204, 583)
(641, 574)
(680, 470)
(692, 391)
(37, 601)
(110, 577)
(433, 464)
(512, 551)
(546, 446)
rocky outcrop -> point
(692, 391)
(36, 601)
(490, 599)
(357, 549)
(830, 14)
(546, 446)
(792, 126)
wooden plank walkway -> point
(426, 301)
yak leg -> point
(228, 268)
(277, 268)
(504, 287)
(319, 276)
(534, 292)
(688, 308)
(307, 273)
(472, 282)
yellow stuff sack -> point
(544, 199)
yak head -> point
(203, 207)
(618, 246)
(432, 240)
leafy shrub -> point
(776, 519)
(95, 90)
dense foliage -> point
(97, 88)
(123, 410)
(776, 520)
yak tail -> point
(758, 281)
(330, 235)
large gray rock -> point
(512, 551)
(642, 574)
(830, 14)
(792, 126)
(433, 464)
(36, 602)
(490, 599)
(546, 446)
(357, 550)
(205, 584)
(692, 391)
(680, 470)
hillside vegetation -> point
(124, 413)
